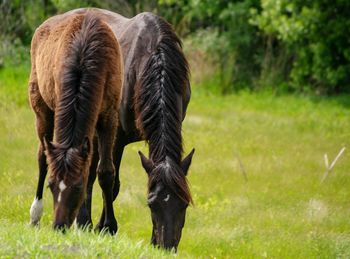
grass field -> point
(281, 211)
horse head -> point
(68, 179)
(168, 199)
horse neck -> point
(158, 96)
(166, 143)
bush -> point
(316, 33)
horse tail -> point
(158, 103)
(91, 52)
(87, 58)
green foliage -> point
(285, 19)
(317, 34)
(251, 44)
(296, 45)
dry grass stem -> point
(330, 168)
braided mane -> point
(159, 109)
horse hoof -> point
(34, 223)
(110, 227)
(113, 231)
(98, 228)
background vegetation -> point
(281, 45)
(259, 50)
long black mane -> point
(159, 108)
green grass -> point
(282, 211)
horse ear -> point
(186, 162)
(146, 163)
(85, 148)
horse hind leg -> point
(44, 125)
(84, 216)
(106, 128)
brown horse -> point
(74, 90)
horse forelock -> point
(65, 163)
(171, 175)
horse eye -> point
(185, 206)
(166, 199)
(152, 203)
(151, 198)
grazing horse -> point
(75, 90)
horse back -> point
(52, 45)
(153, 34)
(139, 38)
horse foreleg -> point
(44, 124)
(84, 215)
(106, 134)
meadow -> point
(280, 210)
